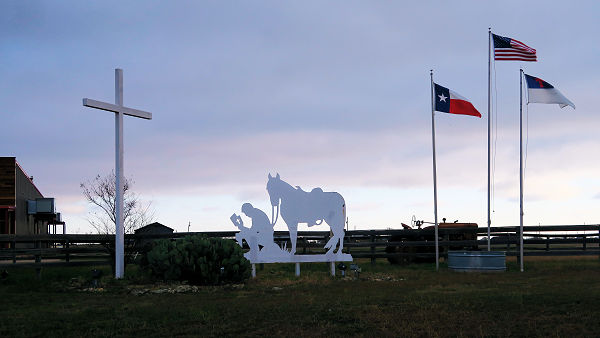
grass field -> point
(553, 297)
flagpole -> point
(437, 251)
(489, 219)
(521, 166)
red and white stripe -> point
(518, 51)
(460, 105)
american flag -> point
(507, 49)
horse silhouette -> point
(298, 206)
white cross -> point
(119, 111)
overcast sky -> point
(334, 94)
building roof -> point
(154, 228)
(30, 178)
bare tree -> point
(100, 193)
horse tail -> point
(344, 213)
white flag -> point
(540, 91)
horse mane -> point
(313, 191)
(286, 184)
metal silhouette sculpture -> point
(259, 236)
(295, 206)
(298, 206)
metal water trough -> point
(477, 260)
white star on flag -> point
(442, 97)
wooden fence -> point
(415, 244)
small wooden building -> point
(152, 229)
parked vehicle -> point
(414, 245)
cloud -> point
(335, 157)
(327, 95)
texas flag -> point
(447, 101)
(540, 91)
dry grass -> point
(552, 298)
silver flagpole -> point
(489, 219)
(521, 166)
(437, 250)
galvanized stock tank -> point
(477, 260)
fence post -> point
(347, 247)
(372, 249)
(447, 246)
(518, 244)
(547, 243)
(584, 242)
(67, 248)
(14, 247)
(38, 259)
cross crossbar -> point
(117, 109)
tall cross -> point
(119, 111)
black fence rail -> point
(399, 245)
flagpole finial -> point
(431, 72)
(489, 29)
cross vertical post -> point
(120, 229)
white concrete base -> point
(330, 257)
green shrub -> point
(198, 260)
